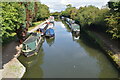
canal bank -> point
(12, 67)
(110, 47)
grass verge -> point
(34, 25)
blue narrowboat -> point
(50, 33)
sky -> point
(59, 5)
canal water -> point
(68, 57)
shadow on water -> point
(83, 37)
(51, 41)
(67, 27)
(33, 65)
(86, 42)
(74, 36)
(94, 50)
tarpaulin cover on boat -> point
(49, 31)
(75, 26)
(30, 43)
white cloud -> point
(58, 5)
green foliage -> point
(13, 15)
(88, 15)
(65, 14)
(30, 6)
(38, 12)
(42, 12)
(55, 14)
(113, 20)
(68, 6)
(96, 19)
(34, 25)
(69, 12)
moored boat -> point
(43, 28)
(50, 26)
(62, 18)
(31, 44)
(50, 33)
(51, 19)
(70, 22)
(75, 27)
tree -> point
(69, 6)
(55, 14)
(69, 11)
(41, 11)
(13, 15)
(30, 13)
(113, 20)
(44, 11)
(16, 16)
(87, 15)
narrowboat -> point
(67, 19)
(75, 28)
(51, 19)
(43, 28)
(49, 33)
(31, 44)
(70, 22)
(62, 18)
(50, 25)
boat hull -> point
(35, 44)
(50, 36)
(34, 52)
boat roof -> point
(50, 30)
(75, 26)
(31, 38)
(50, 25)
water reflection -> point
(50, 41)
(96, 53)
(101, 60)
(75, 36)
(33, 65)
(66, 26)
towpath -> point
(12, 68)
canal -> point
(67, 57)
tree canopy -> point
(113, 20)
(16, 16)
(104, 20)
(13, 15)
(69, 11)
